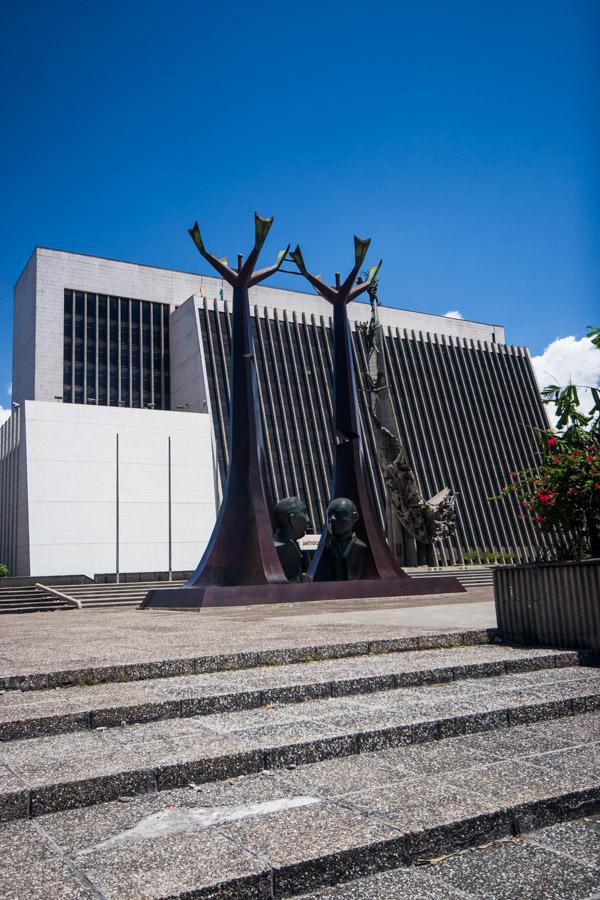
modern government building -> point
(116, 451)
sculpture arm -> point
(327, 292)
(358, 289)
(220, 265)
(269, 270)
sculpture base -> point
(250, 595)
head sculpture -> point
(291, 518)
(342, 516)
(291, 522)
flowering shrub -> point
(563, 495)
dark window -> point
(102, 346)
(125, 398)
(116, 351)
(113, 352)
(90, 348)
(79, 346)
(166, 404)
(146, 355)
(68, 348)
(135, 354)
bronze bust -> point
(344, 553)
(291, 521)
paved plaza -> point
(52, 642)
(378, 748)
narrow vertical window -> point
(124, 310)
(90, 328)
(79, 346)
(157, 351)
(135, 354)
(102, 349)
(146, 351)
(113, 352)
(68, 348)
(167, 381)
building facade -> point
(105, 348)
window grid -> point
(116, 351)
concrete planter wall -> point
(555, 604)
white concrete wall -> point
(188, 380)
(24, 332)
(71, 482)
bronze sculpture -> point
(344, 553)
(420, 520)
(349, 477)
(244, 520)
(242, 563)
(291, 521)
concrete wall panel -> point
(71, 467)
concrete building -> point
(104, 348)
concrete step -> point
(32, 608)
(111, 596)
(295, 831)
(61, 710)
(29, 599)
(286, 652)
(101, 603)
(478, 576)
(138, 587)
(559, 861)
(62, 771)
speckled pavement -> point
(560, 862)
(51, 643)
(308, 754)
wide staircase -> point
(432, 766)
(469, 576)
(30, 598)
(100, 596)
(89, 595)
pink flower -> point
(552, 441)
(539, 519)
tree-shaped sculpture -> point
(349, 478)
(241, 550)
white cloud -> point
(4, 415)
(570, 360)
(454, 314)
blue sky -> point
(462, 137)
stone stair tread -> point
(289, 832)
(242, 647)
(23, 713)
(559, 862)
(71, 769)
